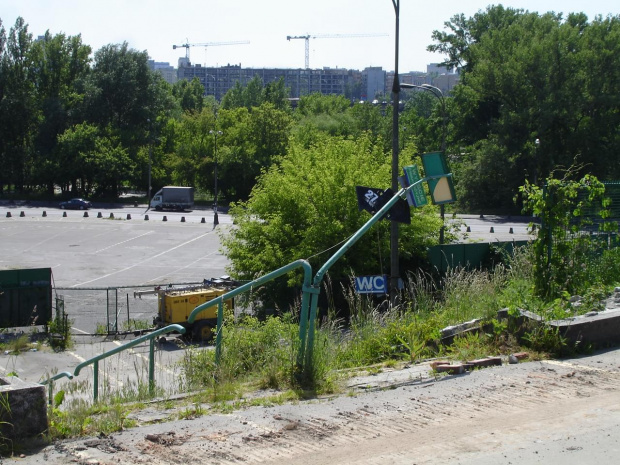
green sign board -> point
(442, 188)
(416, 196)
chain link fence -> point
(110, 310)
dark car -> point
(75, 204)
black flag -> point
(367, 198)
(372, 199)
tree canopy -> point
(537, 93)
(305, 206)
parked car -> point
(76, 204)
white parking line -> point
(144, 261)
(122, 242)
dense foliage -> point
(305, 206)
(537, 92)
(567, 258)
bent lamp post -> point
(442, 191)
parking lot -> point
(93, 253)
(100, 260)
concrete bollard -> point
(182, 219)
(22, 214)
(8, 214)
(64, 214)
(468, 228)
(146, 217)
(165, 218)
(85, 214)
(44, 213)
(128, 216)
(111, 216)
(511, 231)
(99, 215)
(203, 220)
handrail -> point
(303, 317)
(347, 245)
(150, 337)
(64, 374)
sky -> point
(156, 25)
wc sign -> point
(371, 284)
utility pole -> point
(394, 258)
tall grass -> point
(263, 353)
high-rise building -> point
(168, 72)
(367, 85)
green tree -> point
(190, 94)
(305, 205)
(561, 253)
(251, 140)
(191, 162)
(18, 114)
(255, 93)
(91, 162)
(124, 97)
(530, 99)
(61, 64)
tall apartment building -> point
(168, 72)
(367, 85)
(217, 81)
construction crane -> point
(307, 38)
(208, 44)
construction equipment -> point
(174, 305)
(307, 38)
(207, 44)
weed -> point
(190, 413)
(59, 330)
(546, 338)
(135, 325)
(469, 346)
(101, 329)
(6, 444)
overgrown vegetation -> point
(261, 354)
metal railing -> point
(310, 294)
(94, 361)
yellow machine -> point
(174, 305)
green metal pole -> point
(218, 335)
(96, 380)
(107, 310)
(151, 366)
(328, 264)
(307, 289)
(346, 246)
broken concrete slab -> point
(598, 329)
(23, 408)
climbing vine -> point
(563, 253)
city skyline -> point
(155, 26)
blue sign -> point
(371, 284)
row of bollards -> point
(492, 230)
(99, 215)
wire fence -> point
(110, 310)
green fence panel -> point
(470, 256)
(25, 297)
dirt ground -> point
(533, 412)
